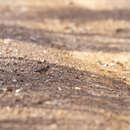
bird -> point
(43, 70)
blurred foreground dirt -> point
(87, 86)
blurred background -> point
(104, 4)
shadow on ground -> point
(69, 13)
(60, 87)
(65, 41)
(28, 123)
(81, 15)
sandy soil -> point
(87, 85)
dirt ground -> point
(87, 84)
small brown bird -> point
(43, 70)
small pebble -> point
(124, 78)
(111, 64)
(33, 38)
(77, 88)
(99, 62)
(59, 89)
(14, 81)
(3, 90)
(18, 94)
(7, 41)
(18, 90)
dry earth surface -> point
(87, 85)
